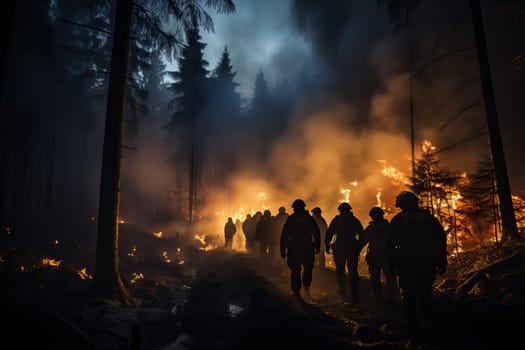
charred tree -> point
(508, 217)
(107, 281)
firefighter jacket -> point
(416, 235)
(348, 232)
(300, 237)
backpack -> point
(423, 236)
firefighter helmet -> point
(376, 211)
(344, 207)
(317, 210)
(406, 198)
(298, 204)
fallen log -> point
(499, 266)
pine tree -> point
(478, 204)
(283, 97)
(425, 182)
(436, 187)
(261, 94)
(190, 97)
(401, 13)
(223, 121)
(107, 279)
(228, 100)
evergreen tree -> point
(227, 99)
(401, 13)
(436, 187)
(479, 202)
(261, 94)
(107, 279)
(426, 179)
(186, 126)
(283, 97)
(258, 126)
(223, 121)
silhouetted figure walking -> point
(416, 247)
(278, 224)
(375, 237)
(263, 235)
(248, 227)
(229, 231)
(300, 240)
(321, 223)
(349, 240)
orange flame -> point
(82, 272)
(51, 262)
(136, 276)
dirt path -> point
(235, 303)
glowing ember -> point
(208, 247)
(158, 234)
(133, 251)
(136, 276)
(92, 218)
(51, 262)
(121, 221)
(56, 242)
(166, 257)
(200, 238)
(181, 262)
(202, 241)
(82, 272)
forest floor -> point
(187, 297)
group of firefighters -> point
(410, 250)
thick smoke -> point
(355, 122)
(359, 118)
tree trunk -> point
(508, 218)
(6, 20)
(107, 281)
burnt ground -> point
(222, 299)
